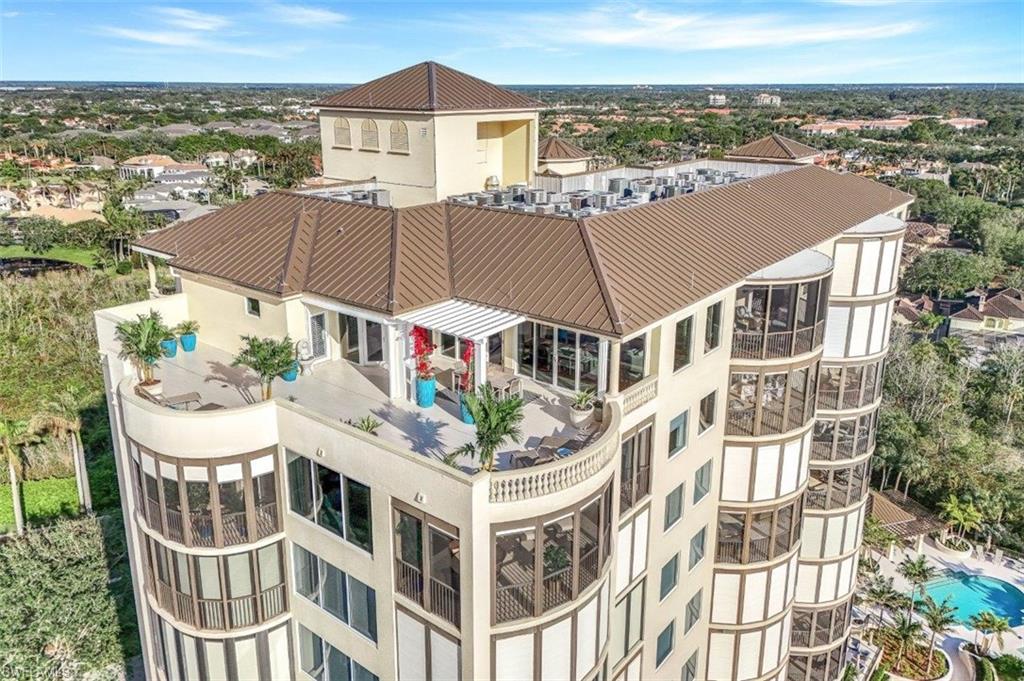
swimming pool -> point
(971, 594)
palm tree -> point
(14, 434)
(907, 633)
(268, 357)
(990, 625)
(71, 187)
(62, 420)
(940, 618)
(965, 517)
(497, 421)
(881, 594)
(140, 342)
(917, 572)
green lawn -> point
(81, 256)
(42, 500)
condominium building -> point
(703, 523)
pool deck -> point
(1013, 641)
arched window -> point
(399, 136)
(342, 133)
(370, 139)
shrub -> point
(123, 267)
(1010, 667)
(58, 617)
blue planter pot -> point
(467, 417)
(169, 346)
(292, 373)
(426, 391)
(188, 342)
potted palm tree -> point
(187, 334)
(268, 358)
(497, 421)
(581, 410)
(140, 340)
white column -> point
(602, 367)
(151, 269)
(480, 362)
(613, 368)
(394, 346)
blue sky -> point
(812, 41)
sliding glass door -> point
(558, 357)
(362, 340)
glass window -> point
(342, 133)
(702, 481)
(742, 407)
(677, 433)
(590, 521)
(707, 412)
(693, 610)
(730, 537)
(697, 543)
(232, 509)
(635, 474)
(349, 327)
(829, 386)
(690, 670)
(362, 608)
(666, 641)
(514, 575)
(374, 342)
(448, 345)
(399, 136)
(683, 354)
(252, 307)
(300, 485)
(566, 358)
(557, 562)
(545, 353)
(335, 591)
(713, 327)
(239, 575)
(524, 338)
(751, 302)
(311, 653)
(589, 352)
(798, 397)
(632, 359)
(773, 400)
(329, 509)
(307, 573)
(780, 308)
(358, 525)
(669, 576)
(673, 507)
(369, 135)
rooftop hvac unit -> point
(484, 200)
(518, 192)
(380, 197)
(522, 207)
(578, 202)
(537, 196)
(555, 197)
(663, 180)
(544, 209)
(606, 199)
(617, 185)
(561, 207)
(670, 190)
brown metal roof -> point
(557, 149)
(903, 517)
(774, 147)
(428, 86)
(660, 257)
(613, 273)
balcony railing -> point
(530, 483)
(266, 520)
(445, 601)
(201, 526)
(153, 515)
(589, 566)
(558, 587)
(640, 394)
(513, 601)
(776, 344)
(409, 581)
(175, 531)
(234, 528)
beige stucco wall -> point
(508, 149)
(220, 309)
(570, 167)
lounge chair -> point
(172, 401)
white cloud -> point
(192, 20)
(10, 15)
(196, 43)
(301, 15)
(680, 32)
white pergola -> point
(466, 320)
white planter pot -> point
(950, 551)
(580, 417)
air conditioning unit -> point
(537, 196)
(617, 185)
(380, 197)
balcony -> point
(347, 392)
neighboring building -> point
(175, 130)
(717, 100)
(148, 166)
(243, 158)
(1002, 313)
(217, 159)
(428, 132)
(561, 157)
(776, 149)
(706, 524)
(765, 99)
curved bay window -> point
(766, 402)
(850, 387)
(543, 563)
(817, 667)
(207, 503)
(815, 628)
(836, 439)
(217, 592)
(831, 488)
(779, 320)
(756, 535)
